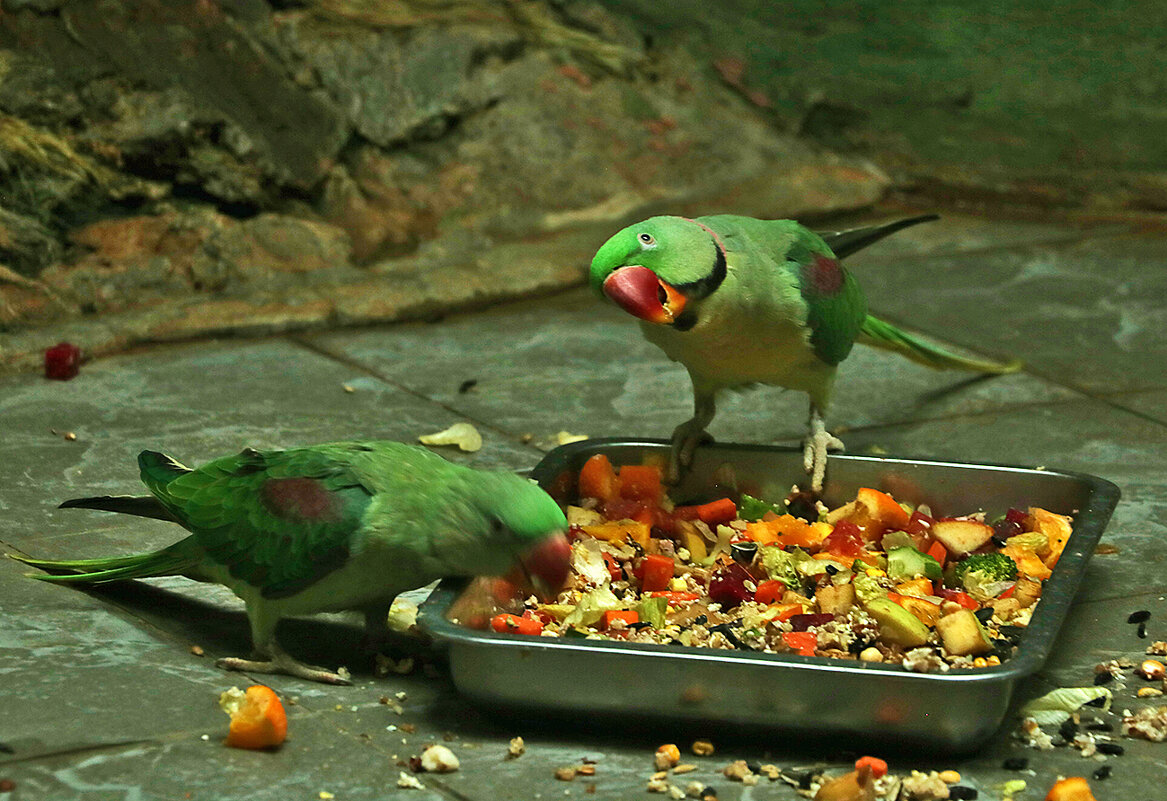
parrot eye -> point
(646, 239)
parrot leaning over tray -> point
(334, 527)
(741, 301)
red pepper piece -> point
(770, 591)
(804, 642)
(655, 572)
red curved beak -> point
(638, 291)
(546, 566)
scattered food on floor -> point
(463, 435)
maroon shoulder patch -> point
(826, 275)
(304, 498)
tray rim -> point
(1090, 524)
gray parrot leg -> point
(269, 657)
(689, 434)
(376, 634)
(814, 450)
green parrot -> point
(741, 301)
(333, 527)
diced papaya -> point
(787, 531)
(629, 616)
(1029, 564)
(924, 611)
(882, 509)
(916, 586)
(1057, 528)
(620, 531)
(1073, 788)
(597, 478)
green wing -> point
(279, 520)
(836, 305)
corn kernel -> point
(667, 756)
(875, 572)
(677, 584)
(949, 776)
(980, 662)
(994, 660)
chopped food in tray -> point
(874, 579)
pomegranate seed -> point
(62, 361)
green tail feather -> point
(881, 334)
(174, 560)
(158, 469)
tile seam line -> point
(356, 364)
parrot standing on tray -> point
(741, 301)
(334, 527)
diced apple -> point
(963, 634)
(961, 537)
(836, 600)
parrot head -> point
(531, 528)
(655, 268)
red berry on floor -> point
(62, 361)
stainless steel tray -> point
(954, 711)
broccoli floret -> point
(985, 576)
(987, 566)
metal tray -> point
(954, 711)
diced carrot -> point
(938, 552)
(1074, 788)
(515, 624)
(883, 509)
(597, 478)
(655, 572)
(787, 611)
(876, 765)
(258, 719)
(629, 616)
(804, 642)
(769, 591)
(620, 531)
(641, 482)
(614, 571)
(719, 511)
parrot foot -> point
(281, 662)
(814, 451)
(685, 444)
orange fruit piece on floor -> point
(1074, 788)
(258, 719)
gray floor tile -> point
(1088, 314)
(573, 363)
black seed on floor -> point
(1015, 763)
(959, 792)
(1112, 749)
(1098, 702)
(1104, 677)
(1103, 772)
(1100, 725)
(1068, 729)
(1142, 631)
(467, 385)
(1141, 616)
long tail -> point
(844, 243)
(140, 506)
(881, 334)
(173, 560)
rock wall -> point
(172, 168)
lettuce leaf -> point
(752, 509)
(1055, 707)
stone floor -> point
(102, 698)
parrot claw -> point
(282, 663)
(814, 451)
(685, 444)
